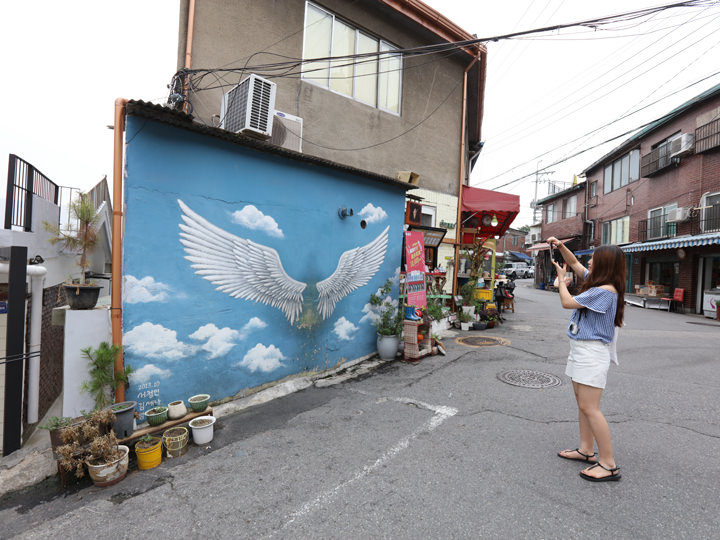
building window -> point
(374, 80)
(569, 207)
(616, 231)
(549, 213)
(428, 216)
(710, 216)
(658, 226)
(593, 189)
(514, 240)
(622, 171)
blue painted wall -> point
(182, 335)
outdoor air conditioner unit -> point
(248, 108)
(681, 213)
(287, 131)
(686, 146)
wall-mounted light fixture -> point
(345, 212)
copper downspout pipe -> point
(458, 224)
(116, 288)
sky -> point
(65, 63)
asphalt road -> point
(441, 450)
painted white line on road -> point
(441, 413)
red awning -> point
(480, 202)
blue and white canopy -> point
(706, 239)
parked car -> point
(516, 270)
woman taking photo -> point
(597, 313)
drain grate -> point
(482, 341)
(528, 378)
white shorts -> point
(588, 362)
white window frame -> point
(568, 209)
(550, 213)
(381, 78)
(619, 173)
(429, 211)
(662, 232)
(616, 231)
(705, 214)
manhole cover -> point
(482, 341)
(528, 378)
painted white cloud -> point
(252, 325)
(344, 329)
(372, 214)
(137, 291)
(252, 218)
(372, 313)
(262, 358)
(156, 341)
(149, 372)
(218, 341)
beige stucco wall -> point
(336, 127)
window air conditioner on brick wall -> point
(248, 108)
(676, 215)
(686, 146)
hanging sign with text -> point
(415, 268)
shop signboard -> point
(415, 268)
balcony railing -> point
(23, 182)
(656, 228)
(707, 219)
(707, 136)
(659, 159)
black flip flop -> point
(586, 456)
(614, 475)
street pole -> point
(537, 180)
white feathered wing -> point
(239, 267)
(355, 268)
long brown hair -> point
(608, 268)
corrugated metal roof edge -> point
(164, 115)
(707, 94)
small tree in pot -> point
(83, 239)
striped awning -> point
(707, 239)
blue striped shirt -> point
(598, 320)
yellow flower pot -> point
(150, 457)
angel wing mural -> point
(248, 270)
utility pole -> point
(537, 181)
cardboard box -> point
(408, 176)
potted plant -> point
(491, 316)
(156, 415)
(175, 440)
(202, 429)
(148, 451)
(199, 402)
(55, 425)
(79, 294)
(102, 384)
(389, 322)
(92, 444)
(465, 320)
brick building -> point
(657, 195)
